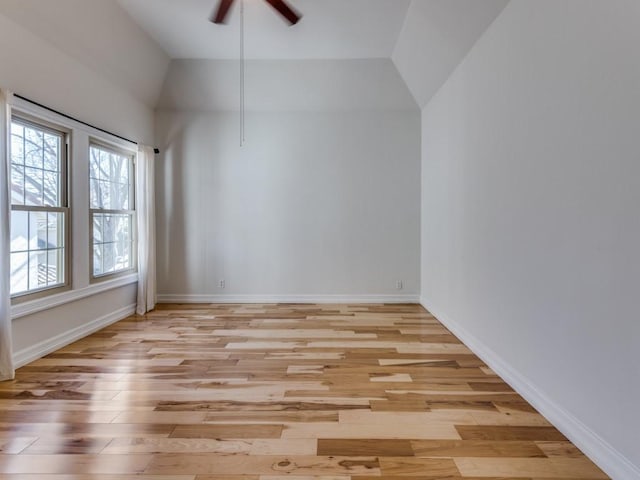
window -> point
(61, 250)
(39, 208)
(112, 210)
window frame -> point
(131, 154)
(34, 121)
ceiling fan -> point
(220, 14)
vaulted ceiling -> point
(133, 42)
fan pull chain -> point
(241, 72)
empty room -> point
(319, 239)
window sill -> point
(40, 304)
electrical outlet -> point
(398, 284)
(221, 283)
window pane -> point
(33, 183)
(124, 173)
(51, 151)
(94, 193)
(97, 229)
(104, 201)
(19, 231)
(19, 272)
(37, 269)
(17, 185)
(105, 165)
(37, 230)
(122, 196)
(124, 228)
(97, 260)
(94, 163)
(55, 230)
(55, 266)
(123, 257)
(51, 188)
(17, 143)
(108, 229)
(33, 152)
(108, 261)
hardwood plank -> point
(399, 406)
(303, 333)
(499, 433)
(365, 447)
(278, 446)
(395, 419)
(15, 444)
(560, 449)
(226, 431)
(523, 419)
(88, 429)
(227, 477)
(263, 465)
(157, 418)
(74, 464)
(270, 416)
(392, 377)
(576, 468)
(412, 466)
(247, 407)
(475, 448)
(355, 431)
(75, 445)
(304, 477)
(121, 446)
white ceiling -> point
(329, 29)
(286, 85)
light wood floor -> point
(264, 392)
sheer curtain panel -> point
(146, 212)
(6, 350)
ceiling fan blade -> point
(285, 10)
(220, 14)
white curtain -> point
(6, 349)
(146, 212)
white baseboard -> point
(614, 464)
(181, 298)
(39, 350)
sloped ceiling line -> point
(435, 37)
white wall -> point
(317, 205)
(40, 333)
(530, 224)
(34, 68)
(100, 35)
(37, 70)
